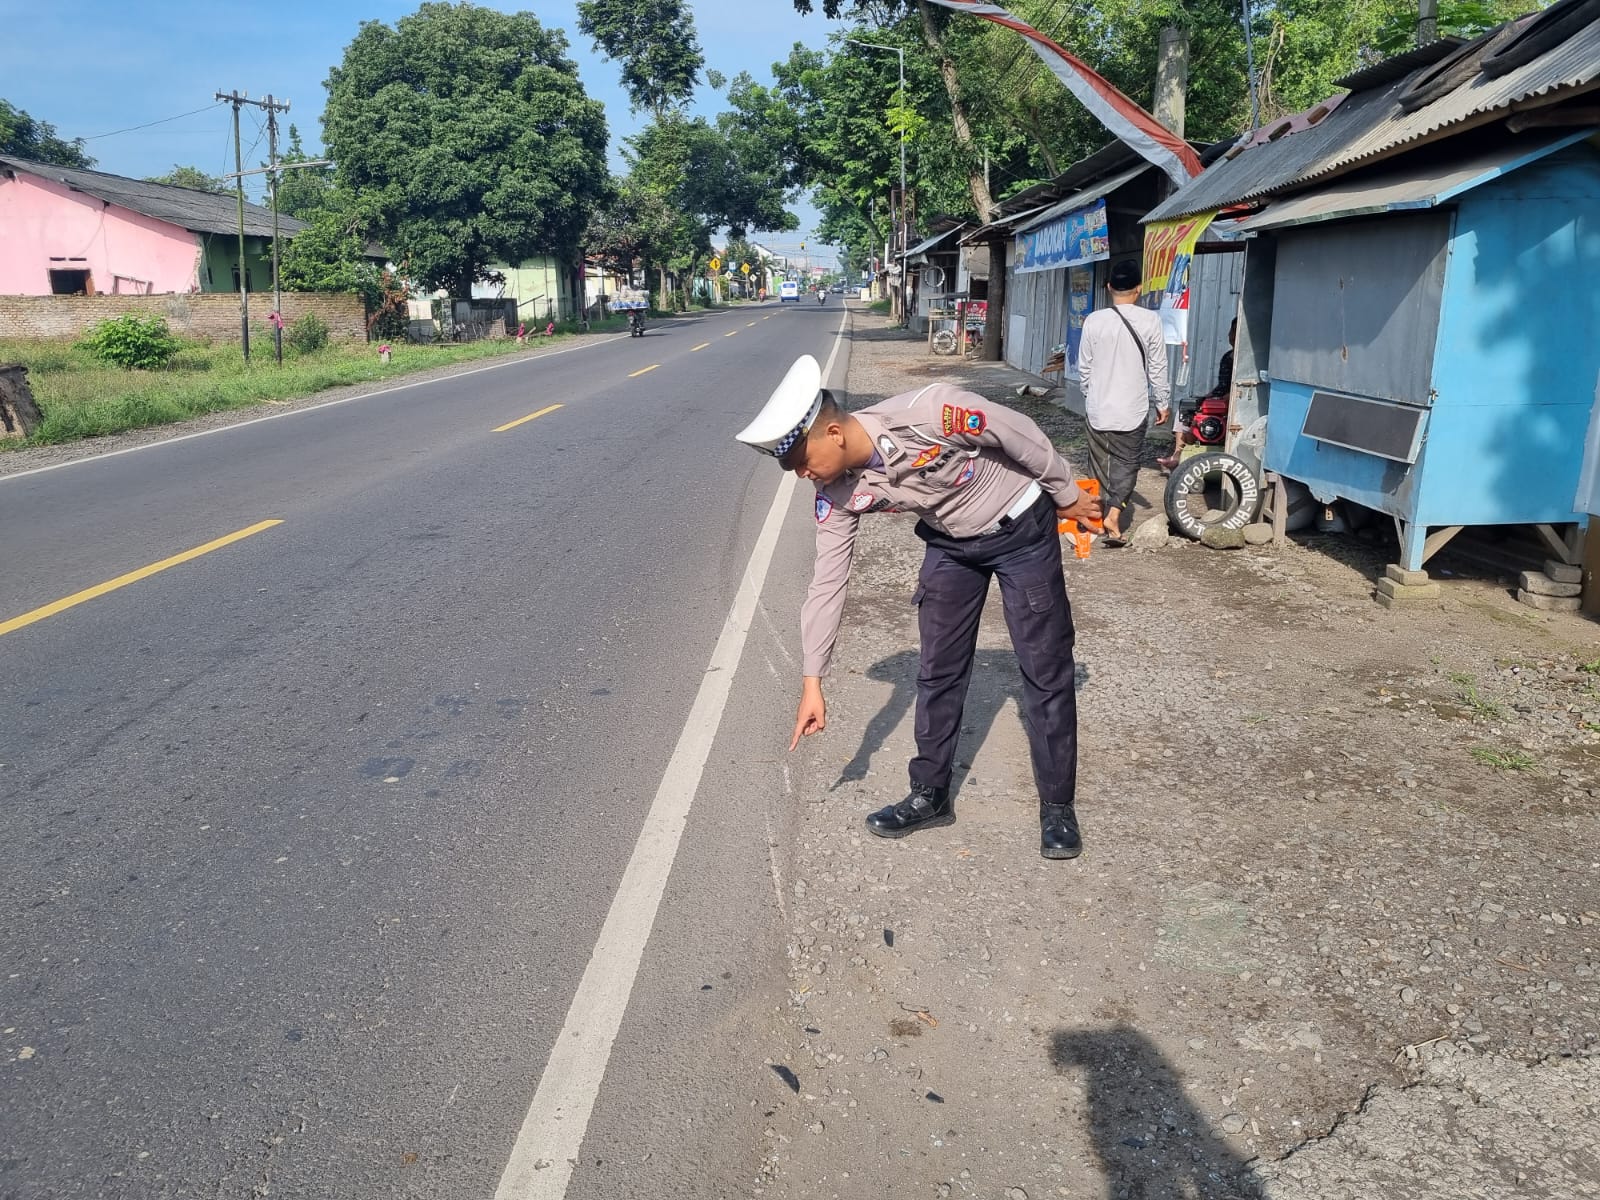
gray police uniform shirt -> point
(948, 455)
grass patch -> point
(1467, 693)
(80, 398)
(1503, 760)
(1590, 668)
(881, 307)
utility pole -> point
(1427, 21)
(272, 187)
(237, 99)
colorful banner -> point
(1125, 120)
(1080, 302)
(1071, 239)
(1168, 250)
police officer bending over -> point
(988, 487)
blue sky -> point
(93, 66)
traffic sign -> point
(745, 267)
(716, 263)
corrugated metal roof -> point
(929, 243)
(1415, 185)
(1088, 195)
(1262, 168)
(1371, 123)
(982, 232)
(1103, 161)
(1574, 63)
(1396, 65)
(196, 211)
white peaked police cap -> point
(789, 413)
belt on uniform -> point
(1029, 497)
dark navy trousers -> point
(1025, 556)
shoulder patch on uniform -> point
(861, 501)
(824, 507)
(926, 457)
(963, 420)
(887, 447)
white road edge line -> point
(295, 412)
(547, 1147)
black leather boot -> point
(1058, 831)
(924, 808)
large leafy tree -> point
(27, 137)
(711, 178)
(471, 135)
(638, 226)
(193, 177)
(654, 42)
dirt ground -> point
(1334, 933)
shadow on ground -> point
(995, 680)
(1151, 1141)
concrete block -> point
(1404, 600)
(1404, 577)
(1549, 603)
(1258, 535)
(1401, 591)
(1541, 584)
(1563, 572)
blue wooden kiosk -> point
(1435, 336)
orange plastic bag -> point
(1082, 539)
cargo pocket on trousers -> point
(917, 596)
(1041, 599)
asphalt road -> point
(306, 841)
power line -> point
(95, 136)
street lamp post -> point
(904, 235)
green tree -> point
(24, 136)
(193, 177)
(470, 134)
(655, 43)
(711, 180)
(304, 191)
(636, 227)
(1304, 46)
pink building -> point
(65, 231)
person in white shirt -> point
(1122, 369)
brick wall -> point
(208, 316)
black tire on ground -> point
(1212, 491)
(1544, 32)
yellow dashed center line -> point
(748, 324)
(121, 581)
(730, 333)
(701, 346)
(524, 420)
(643, 371)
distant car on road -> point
(788, 290)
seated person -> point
(1213, 403)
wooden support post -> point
(1438, 540)
(1591, 569)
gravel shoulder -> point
(1316, 946)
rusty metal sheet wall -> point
(1356, 305)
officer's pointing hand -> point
(1085, 510)
(813, 714)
